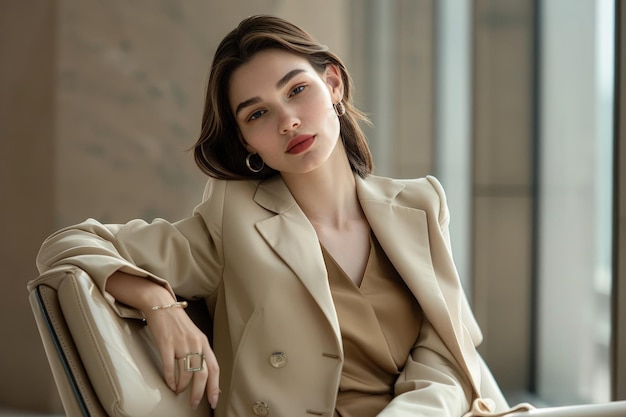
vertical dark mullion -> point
(618, 330)
(535, 191)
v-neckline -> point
(329, 256)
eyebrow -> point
(281, 83)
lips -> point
(300, 144)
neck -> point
(327, 196)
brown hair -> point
(219, 152)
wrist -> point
(177, 304)
(138, 292)
(154, 299)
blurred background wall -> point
(99, 102)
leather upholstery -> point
(103, 365)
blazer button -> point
(259, 408)
(278, 359)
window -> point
(573, 282)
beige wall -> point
(27, 120)
(98, 102)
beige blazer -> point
(249, 250)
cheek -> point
(323, 112)
(331, 118)
(255, 137)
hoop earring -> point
(340, 109)
(250, 167)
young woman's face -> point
(284, 110)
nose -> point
(289, 121)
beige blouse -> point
(380, 322)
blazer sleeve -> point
(431, 383)
(185, 257)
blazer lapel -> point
(403, 233)
(294, 239)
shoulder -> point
(224, 196)
(216, 188)
(428, 186)
(424, 193)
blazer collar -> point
(273, 194)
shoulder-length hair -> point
(219, 152)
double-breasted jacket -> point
(250, 251)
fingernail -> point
(213, 402)
(195, 404)
(172, 387)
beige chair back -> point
(103, 365)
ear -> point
(334, 81)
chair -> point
(103, 365)
(107, 366)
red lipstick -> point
(299, 144)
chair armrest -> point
(101, 362)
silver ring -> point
(187, 360)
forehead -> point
(262, 72)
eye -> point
(256, 115)
(297, 90)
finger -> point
(169, 371)
(197, 386)
(184, 375)
(213, 383)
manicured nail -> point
(195, 404)
(213, 402)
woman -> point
(332, 291)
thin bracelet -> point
(181, 304)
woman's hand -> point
(185, 352)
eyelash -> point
(295, 91)
(252, 117)
(300, 88)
